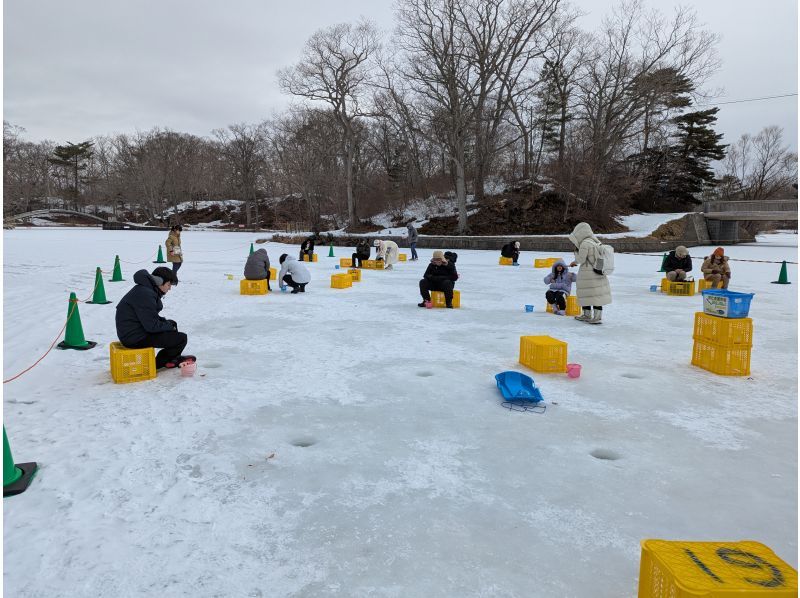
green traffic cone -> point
(16, 477)
(330, 253)
(783, 277)
(73, 338)
(251, 248)
(160, 258)
(117, 275)
(663, 262)
(99, 296)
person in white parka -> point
(388, 252)
(593, 289)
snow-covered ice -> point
(348, 443)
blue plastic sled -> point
(516, 386)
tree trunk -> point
(526, 154)
(348, 166)
(461, 188)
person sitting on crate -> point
(139, 324)
(511, 250)
(715, 269)
(560, 280)
(257, 266)
(293, 274)
(307, 248)
(388, 252)
(441, 276)
(362, 252)
(678, 263)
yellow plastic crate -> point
(681, 289)
(673, 569)
(725, 361)
(543, 353)
(341, 281)
(704, 284)
(573, 309)
(437, 298)
(355, 274)
(131, 365)
(551, 261)
(726, 332)
(403, 257)
(252, 287)
(345, 262)
(273, 273)
(372, 264)
(315, 256)
(506, 261)
(541, 263)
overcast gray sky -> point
(74, 70)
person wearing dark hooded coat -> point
(362, 253)
(257, 266)
(677, 264)
(511, 250)
(307, 248)
(441, 276)
(560, 280)
(139, 324)
(413, 237)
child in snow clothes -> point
(678, 263)
(388, 252)
(257, 266)
(138, 321)
(362, 253)
(307, 248)
(412, 240)
(441, 276)
(560, 280)
(294, 274)
(173, 244)
(511, 250)
(593, 289)
(716, 269)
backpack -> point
(603, 259)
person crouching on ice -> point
(560, 280)
(511, 250)
(441, 276)
(139, 324)
(388, 252)
(293, 274)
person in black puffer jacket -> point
(138, 321)
(511, 250)
(362, 253)
(307, 248)
(677, 264)
(441, 276)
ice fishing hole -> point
(212, 365)
(304, 442)
(605, 455)
(632, 376)
(424, 374)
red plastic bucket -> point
(574, 370)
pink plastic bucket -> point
(429, 304)
(188, 368)
(574, 370)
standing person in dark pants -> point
(441, 276)
(362, 253)
(307, 248)
(138, 321)
(173, 244)
(412, 240)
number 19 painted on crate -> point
(674, 569)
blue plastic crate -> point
(726, 304)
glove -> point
(173, 323)
(715, 271)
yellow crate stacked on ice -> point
(704, 284)
(403, 257)
(252, 287)
(681, 289)
(541, 263)
(131, 365)
(345, 262)
(437, 298)
(722, 345)
(273, 273)
(543, 354)
(305, 257)
(341, 281)
(355, 274)
(675, 569)
(372, 264)
(573, 309)
(506, 261)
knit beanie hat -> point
(516, 244)
(438, 254)
(719, 252)
(377, 243)
(681, 251)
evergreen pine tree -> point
(73, 157)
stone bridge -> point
(723, 217)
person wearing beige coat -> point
(593, 290)
(173, 244)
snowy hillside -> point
(348, 443)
